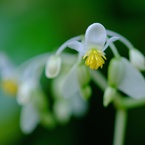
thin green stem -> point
(120, 125)
(114, 50)
(128, 103)
(121, 38)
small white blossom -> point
(93, 46)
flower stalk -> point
(120, 125)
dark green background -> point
(32, 27)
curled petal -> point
(95, 36)
(78, 46)
(109, 41)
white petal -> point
(62, 110)
(53, 66)
(78, 46)
(109, 41)
(24, 93)
(7, 68)
(79, 105)
(133, 82)
(95, 36)
(64, 45)
(29, 118)
(70, 84)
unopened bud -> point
(53, 66)
(86, 92)
(109, 95)
(137, 59)
(115, 72)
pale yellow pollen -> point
(94, 59)
(9, 87)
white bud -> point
(137, 59)
(109, 95)
(53, 66)
(115, 72)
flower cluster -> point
(68, 78)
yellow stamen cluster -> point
(9, 86)
(94, 59)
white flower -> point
(137, 59)
(69, 99)
(93, 46)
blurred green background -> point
(32, 27)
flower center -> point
(94, 59)
(9, 87)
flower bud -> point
(115, 72)
(109, 95)
(53, 66)
(137, 59)
(86, 92)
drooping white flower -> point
(93, 46)
(68, 98)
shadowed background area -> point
(32, 27)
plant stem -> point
(120, 125)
